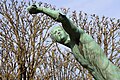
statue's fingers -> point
(29, 9)
(34, 5)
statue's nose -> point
(58, 32)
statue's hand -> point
(33, 9)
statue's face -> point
(59, 35)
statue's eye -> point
(55, 32)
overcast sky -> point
(108, 8)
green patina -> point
(84, 48)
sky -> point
(107, 8)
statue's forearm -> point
(52, 13)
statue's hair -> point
(51, 32)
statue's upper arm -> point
(70, 27)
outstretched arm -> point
(52, 13)
(68, 26)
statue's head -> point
(58, 34)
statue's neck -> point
(70, 44)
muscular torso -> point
(92, 57)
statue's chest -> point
(79, 51)
(87, 50)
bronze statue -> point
(84, 48)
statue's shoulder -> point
(85, 38)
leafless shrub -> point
(28, 53)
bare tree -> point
(29, 54)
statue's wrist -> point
(40, 9)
